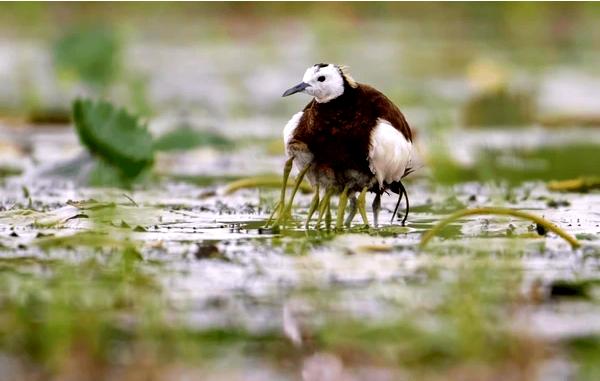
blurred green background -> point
(222, 66)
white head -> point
(323, 81)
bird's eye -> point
(321, 78)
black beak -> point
(299, 87)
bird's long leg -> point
(328, 216)
(402, 189)
(282, 219)
(323, 206)
(341, 208)
(400, 194)
(352, 211)
(376, 207)
(275, 209)
(362, 202)
(280, 206)
(314, 204)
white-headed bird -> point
(349, 139)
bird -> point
(350, 138)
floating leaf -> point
(114, 135)
(582, 184)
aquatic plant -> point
(91, 54)
(498, 211)
(114, 135)
(124, 146)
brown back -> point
(338, 132)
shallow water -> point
(219, 272)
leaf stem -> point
(262, 181)
(497, 211)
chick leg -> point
(314, 204)
(323, 206)
(352, 211)
(376, 207)
(328, 216)
(287, 210)
(400, 194)
(341, 208)
(407, 204)
(280, 206)
(361, 204)
(275, 209)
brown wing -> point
(387, 110)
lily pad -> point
(114, 135)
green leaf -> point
(114, 135)
(185, 138)
(92, 54)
